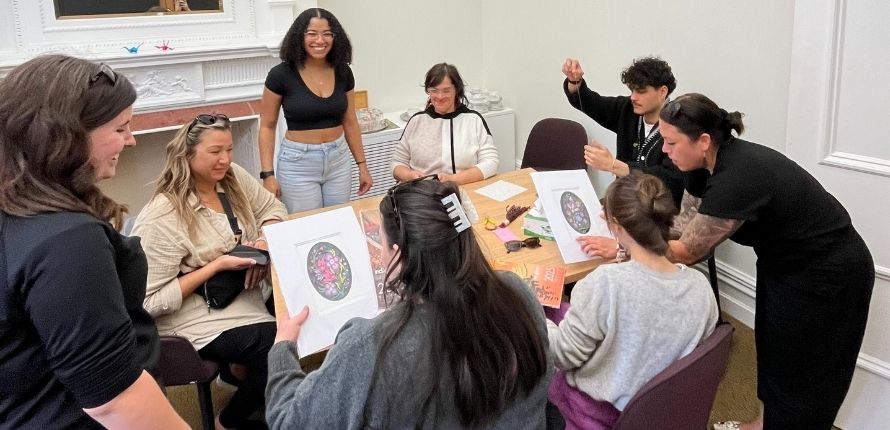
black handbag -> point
(221, 290)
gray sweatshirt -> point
(335, 395)
(626, 324)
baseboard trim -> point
(882, 273)
(733, 281)
(874, 365)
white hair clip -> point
(456, 212)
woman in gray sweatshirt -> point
(464, 347)
(628, 321)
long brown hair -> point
(481, 328)
(177, 183)
(48, 107)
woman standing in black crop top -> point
(314, 86)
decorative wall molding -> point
(874, 365)
(859, 163)
(228, 73)
(831, 156)
(214, 57)
(882, 273)
(733, 281)
(247, 27)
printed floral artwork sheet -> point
(322, 262)
(572, 209)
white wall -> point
(396, 41)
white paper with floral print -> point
(572, 209)
(322, 262)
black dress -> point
(814, 280)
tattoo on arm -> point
(705, 232)
(688, 210)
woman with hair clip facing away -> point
(314, 87)
(814, 272)
(75, 344)
(627, 321)
(447, 138)
(204, 205)
(465, 347)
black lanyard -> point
(644, 143)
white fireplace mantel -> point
(215, 57)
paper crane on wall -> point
(133, 49)
(164, 47)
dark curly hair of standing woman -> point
(293, 50)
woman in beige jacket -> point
(186, 235)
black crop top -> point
(303, 109)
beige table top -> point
(492, 246)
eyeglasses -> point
(313, 35)
(516, 245)
(104, 70)
(444, 91)
(208, 119)
(391, 193)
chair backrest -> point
(555, 144)
(180, 364)
(681, 396)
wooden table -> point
(548, 254)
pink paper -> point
(505, 235)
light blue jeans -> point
(312, 176)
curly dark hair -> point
(648, 71)
(293, 49)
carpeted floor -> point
(736, 397)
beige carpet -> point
(736, 397)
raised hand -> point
(572, 69)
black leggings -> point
(247, 345)
(808, 329)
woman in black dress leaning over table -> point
(314, 86)
(814, 272)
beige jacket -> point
(170, 251)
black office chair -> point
(555, 144)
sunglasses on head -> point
(208, 119)
(516, 245)
(391, 192)
(106, 71)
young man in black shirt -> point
(634, 119)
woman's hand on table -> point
(599, 246)
(289, 326)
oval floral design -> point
(575, 212)
(329, 271)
